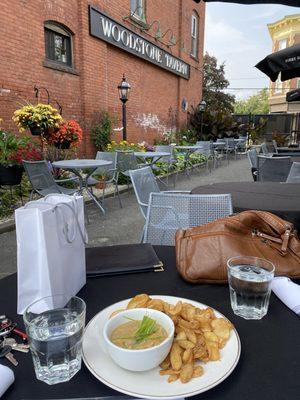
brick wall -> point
(156, 95)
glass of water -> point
(249, 281)
(54, 326)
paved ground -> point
(124, 225)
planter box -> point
(11, 175)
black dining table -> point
(282, 199)
(270, 353)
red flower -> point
(68, 131)
(29, 153)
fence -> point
(285, 125)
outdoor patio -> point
(124, 225)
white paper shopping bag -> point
(50, 248)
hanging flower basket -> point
(36, 130)
(10, 175)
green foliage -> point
(256, 132)
(101, 130)
(9, 144)
(9, 201)
(256, 104)
(214, 83)
(217, 120)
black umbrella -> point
(293, 3)
(286, 62)
(293, 95)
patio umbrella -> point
(293, 95)
(293, 3)
(286, 62)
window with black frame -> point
(58, 44)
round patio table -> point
(77, 167)
(278, 198)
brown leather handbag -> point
(202, 252)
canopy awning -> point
(292, 3)
(286, 62)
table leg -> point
(92, 196)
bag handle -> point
(83, 235)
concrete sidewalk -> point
(124, 225)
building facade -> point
(79, 49)
(284, 33)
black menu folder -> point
(122, 259)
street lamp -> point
(124, 89)
(201, 109)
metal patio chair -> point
(273, 169)
(208, 151)
(42, 180)
(169, 212)
(170, 160)
(294, 174)
(109, 174)
(253, 160)
(144, 183)
(268, 148)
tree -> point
(256, 104)
(217, 120)
(214, 84)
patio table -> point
(278, 198)
(77, 166)
(188, 151)
(154, 155)
(270, 355)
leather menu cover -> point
(121, 259)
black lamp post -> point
(201, 109)
(124, 89)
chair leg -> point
(118, 194)
(21, 195)
(143, 234)
(31, 195)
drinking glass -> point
(55, 327)
(249, 281)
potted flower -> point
(68, 134)
(13, 150)
(39, 118)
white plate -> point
(149, 384)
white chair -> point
(168, 212)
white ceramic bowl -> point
(143, 359)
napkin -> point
(7, 377)
(288, 292)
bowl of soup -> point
(139, 339)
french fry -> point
(198, 371)
(175, 357)
(186, 373)
(166, 363)
(186, 344)
(173, 378)
(168, 372)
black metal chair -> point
(273, 169)
(253, 160)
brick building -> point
(284, 33)
(79, 49)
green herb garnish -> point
(147, 327)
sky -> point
(238, 35)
